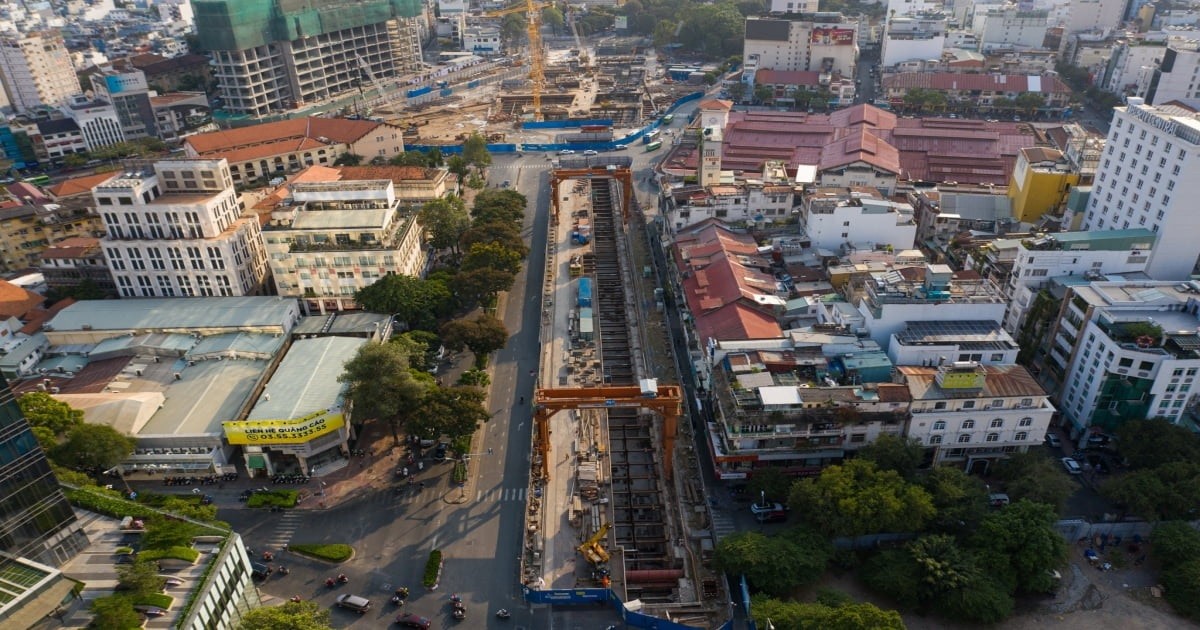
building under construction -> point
(275, 55)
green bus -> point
(653, 146)
(668, 118)
(37, 180)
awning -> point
(257, 461)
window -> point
(940, 425)
(964, 438)
(993, 437)
(1021, 436)
(968, 404)
(968, 424)
(998, 403)
(997, 423)
(939, 405)
(1025, 422)
(1126, 362)
(935, 439)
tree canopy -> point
(774, 564)
(715, 30)
(1036, 477)
(475, 151)
(491, 256)
(445, 220)
(415, 301)
(452, 411)
(503, 205)
(1165, 492)
(114, 613)
(482, 334)
(1150, 443)
(478, 286)
(896, 453)
(140, 577)
(93, 446)
(856, 498)
(771, 482)
(1020, 547)
(43, 410)
(503, 233)
(960, 500)
(304, 615)
(381, 385)
(791, 615)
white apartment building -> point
(938, 342)
(913, 38)
(1126, 351)
(129, 95)
(1171, 77)
(893, 299)
(824, 42)
(36, 69)
(1097, 16)
(1149, 176)
(482, 40)
(1086, 254)
(328, 239)
(1007, 28)
(176, 228)
(794, 6)
(972, 414)
(98, 121)
(901, 8)
(838, 219)
(1129, 60)
(271, 62)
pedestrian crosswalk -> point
(287, 525)
(496, 495)
(534, 166)
(407, 496)
(722, 524)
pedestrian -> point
(489, 451)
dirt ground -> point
(1087, 600)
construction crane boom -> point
(537, 55)
(388, 97)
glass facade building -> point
(36, 521)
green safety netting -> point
(242, 24)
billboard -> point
(298, 430)
(832, 36)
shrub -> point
(108, 505)
(460, 472)
(433, 567)
(331, 553)
(153, 599)
(273, 498)
(187, 554)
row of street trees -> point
(964, 561)
(481, 254)
(69, 442)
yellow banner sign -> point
(283, 431)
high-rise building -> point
(36, 521)
(176, 228)
(1149, 176)
(272, 55)
(36, 70)
(129, 95)
(818, 42)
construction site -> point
(617, 512)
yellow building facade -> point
(1040, 182)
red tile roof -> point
(737, 321)
(860, 145)
(714, 103)
(16, 301)
(73, 247)
(280, 137)
(38, 316)
(78, 185)
(786, 77)
(947, 81)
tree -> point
(893, 572)
(493, 205)
(772, 564)
(141, 577)
(381, 385)
(763, 94)
(944, 568)
(445, 220)
(1019, 546)
(43, 410)
(348, 159)
(304, 615)
(458, 166)
(792, 615)
(474, 378)
(1170, 491)
(1176, 542)
(664, 32)
(427, 343)
(553, 17)
(512, 27)
(1182, 583)
(93, 446)
(503, 233)
(1002, 102)
(482, 334)
(418, 303)
(453, 411)
(772, 482)
(475, 151)
(737, 91)
(959, 499)
(75, 160)
(410, 158)
(856, 498)
(164, 533)
(45, 437)
(1030, 101)
(114, 613)
(480, 286)
(715, 30)
(892, 452)
(1149, 443)
(1035, 477)
(491, 256)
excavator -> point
(592, 549)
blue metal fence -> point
(601, 597)
(567, 124)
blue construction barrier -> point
(601, 597)
(418, 92)
(446, 92)
(472, 84)
(566, 124)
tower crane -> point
(537, 55)
(388, 97)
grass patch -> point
(159, 500)
(330, 553)
(108, 505)
(153, 599)
(187, 554)
(273, 498)
(433, 567)
(460, 472)
(123, 551)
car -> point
(358, 604)
(998, 499)
(439, 453)
(619, 147)
(954, 115)
(591, 152)
(1072, 466)
(769, 512)
(1053, 440)
(506, 184)
(412, 620)
(260, 570)
(566, 152)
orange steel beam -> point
(667, 401)
(623, 175)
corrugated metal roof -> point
(176, 313)
(306, 380)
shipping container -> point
(585, 292)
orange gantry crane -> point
(537, 55)
(665, 399)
